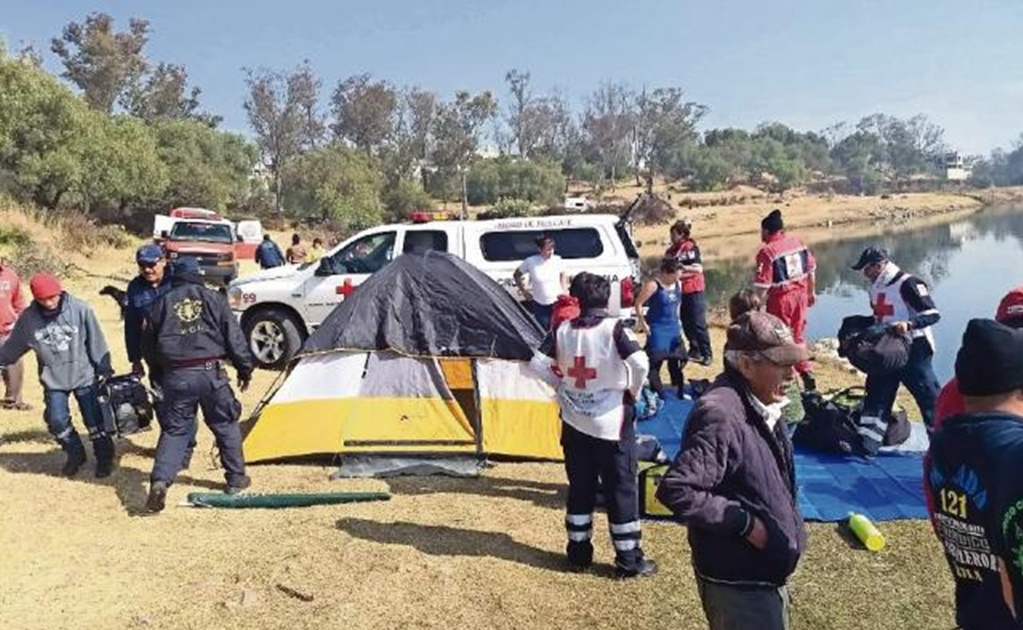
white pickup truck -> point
(278, 308)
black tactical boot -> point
(157, 498)
(645, 568)
(75, 450)
(237, 484)
(103, 450)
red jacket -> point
(688, 252)
(784, 265)
(950, 403)
(11, 301)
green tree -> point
(205, 167)
(336, 183)
(121, 168)
(664, 121)
(42, 134)
(165, 94)
(408, 154)
(102, 62)
(283, 111)
(405, 197)
(364, 112)
(534, 181)
(456, 132)
(609, 122)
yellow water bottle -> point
(866, 532)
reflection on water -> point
(969, 263)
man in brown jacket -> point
(733, 482)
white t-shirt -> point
(544, 277)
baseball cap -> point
(185, 264)
(990, 361)
(757, 331)
(149, 253)
(1010, 309)
(870, 256)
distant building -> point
(953, 167)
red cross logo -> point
(882, 308)
(581, 373)
(346, 288)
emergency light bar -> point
(426, 217)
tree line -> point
(132, 138)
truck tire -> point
(274, 337)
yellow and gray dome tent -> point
(429, 357)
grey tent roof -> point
(430, 304)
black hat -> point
(990, 361)
(186, 265)
(870, 256)
(772, 222)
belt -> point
(197, 364)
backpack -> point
(872, 354)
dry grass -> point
(441, 553)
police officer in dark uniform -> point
(191, 333)
(153, 281)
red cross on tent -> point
(882, 308)
(581, 373)
(346, 288)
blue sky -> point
(802, 62)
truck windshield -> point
(207, 232)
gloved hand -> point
(244, 379)
(138, 369)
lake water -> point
(969, 264)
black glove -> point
(244, 379)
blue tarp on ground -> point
(887, 487)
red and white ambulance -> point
(280, 307)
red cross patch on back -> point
(581, 373)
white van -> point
(278, 308)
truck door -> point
(340, 273)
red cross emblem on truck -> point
(882, 308)
(346, 288)
(581, 373)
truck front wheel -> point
(274, 337)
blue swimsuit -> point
(662, 317)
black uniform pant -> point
(155, 376)
(693, 313)
(918, 377)
(184, 392)
(590, 461)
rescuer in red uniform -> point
(785, 275)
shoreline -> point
(729, 232)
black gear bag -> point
(126, 407)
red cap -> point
(1011, 306)
(44, 286)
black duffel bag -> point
(869, 351)
(827, 427)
